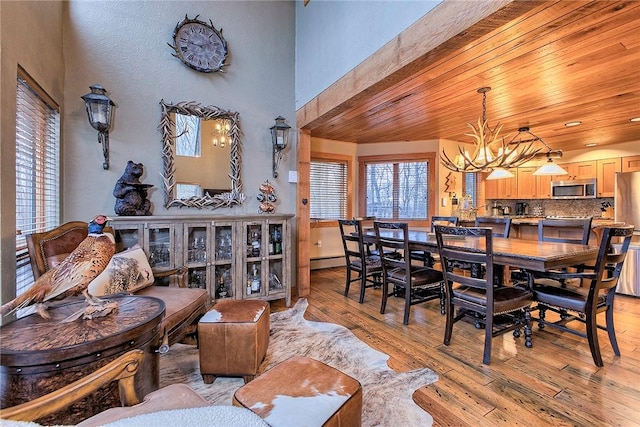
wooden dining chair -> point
(501, 227)
(359, 260)
(427, 258)
(478, 296)
(559, 230)
(570, 230)
(416, 284)
(596, 294)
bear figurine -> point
(130, 193)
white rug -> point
(386, 393)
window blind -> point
(37, 172)
(328, 189)
(471, 187)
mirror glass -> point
(201, 156)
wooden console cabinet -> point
(231, 257)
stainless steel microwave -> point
(574, 189)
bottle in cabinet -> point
(275, 239)
(224, 282)
(254, 240)
(254, 280)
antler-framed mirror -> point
(201, 156)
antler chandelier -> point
(493, 154)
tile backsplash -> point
(556, 207)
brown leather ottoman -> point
(303, 391)
(233, 337)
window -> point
(470, 187)
(188, 139)
(37, 170)
(186, 191)
(398, 188)
(329, 195)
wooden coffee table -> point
(38, 356)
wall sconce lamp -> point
(99, 109)
(280, 140)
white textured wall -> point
(332, 37)
(122, 45)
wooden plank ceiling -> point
(556, 62)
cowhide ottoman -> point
(302, 391)
(233, 337)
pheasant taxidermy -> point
(72, 276)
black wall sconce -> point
(280, 140)
(99, 110)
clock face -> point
(200, 46)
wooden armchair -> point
(123, 370)
(183, 306)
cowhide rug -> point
(386, 393)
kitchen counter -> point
(526, 227)
(533, 220)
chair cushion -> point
(373, 262)
(419, 276)
(174, 396)
(571, 298)
(181, 304)
(505, 298)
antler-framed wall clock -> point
(199, 45)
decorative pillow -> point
(128, 271)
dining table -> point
(525, 254)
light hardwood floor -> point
(555, 383)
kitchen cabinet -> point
(231, 257)
(531, 186)
(607, 169)
(527, 186)
(544, 186)
(506, 188)
(631, 164)
(579, 170)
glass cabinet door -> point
(253, 238)
(223, 244)
(127, 236)
(195, 254)
(160, 245)
(274, 274)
